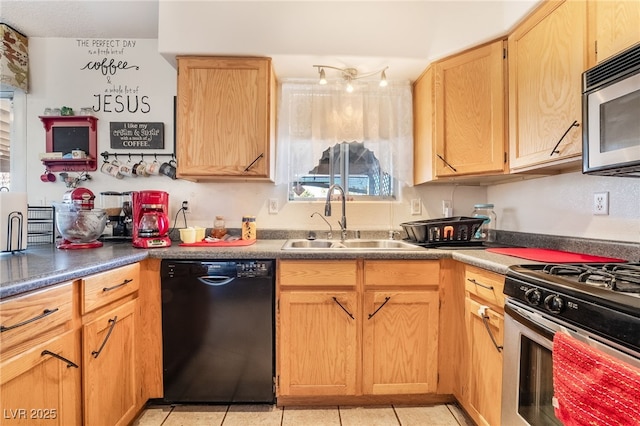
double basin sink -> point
(355, 244)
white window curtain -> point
(314, 117)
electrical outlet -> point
(416, 206)
(273, 206)
(447, 208)
(185, 207)
(601, 203)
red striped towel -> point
(591, 387)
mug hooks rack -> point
(105, 155)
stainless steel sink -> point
(348, 245)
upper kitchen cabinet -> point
(423, 117)
(546, 61)
(470, 112)
(613, 26)
(225, 118)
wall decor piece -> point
(14, 58)
(136, 135)
(66, 134)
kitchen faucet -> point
(343, 219)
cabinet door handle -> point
(343, 308)
(254, 162)
(555, 148)
(45, 313)
(472, 280)
(95, 354)
(125, 282)
(446, 163)
(485, 321)
(61, 358)
(386, 299)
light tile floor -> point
(249, 415)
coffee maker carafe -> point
(150, 219)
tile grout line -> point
(167, 416)
(396, 414)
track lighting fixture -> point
(350, 74)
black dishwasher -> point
(218, 331)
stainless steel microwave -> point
(611, 116)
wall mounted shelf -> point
(67, 133)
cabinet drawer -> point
(25, 317)
(401, 273)
(103, 288)
(318, 272)
(488, 286)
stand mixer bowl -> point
(79, 226)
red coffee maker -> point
(150, 219)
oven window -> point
(619, 124)
(536, 384)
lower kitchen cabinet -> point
(485, 327)
(318, 343)
(400, 342)
(357, 328)
(481, 393)
(41, 386)
(109, 378)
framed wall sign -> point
(136, 135)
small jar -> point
(248, 227)
(487, 230)
(219, 230)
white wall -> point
(57, 79)
(562, 205)
(559, 205)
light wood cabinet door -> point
(470, 112)
(36, 316)
(109, 378)
(223, 121)
(546, 61)
(400, 342)
(319, 347)
(423, 128)
(485, 332)
(613, 27)
(37, 388)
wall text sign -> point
(134, 135)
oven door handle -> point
(538, 328)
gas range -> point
(601, 298)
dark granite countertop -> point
(44, 265)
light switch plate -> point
(273, 206)
(416, 206)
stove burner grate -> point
(616, 277)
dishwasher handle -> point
(216, 280)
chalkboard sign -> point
(136, 135)
(66, 139)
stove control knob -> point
(554, 304)
(533, 296)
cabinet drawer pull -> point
(473, 281)
(386, 299)
(125, 282)
(45, 313)
(555, 148)
(446, 164)
(485, 321)
(61, 358)
(113, 324)
(343, 308)
(254, 162)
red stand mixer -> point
(79, 223)
(150, 219)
